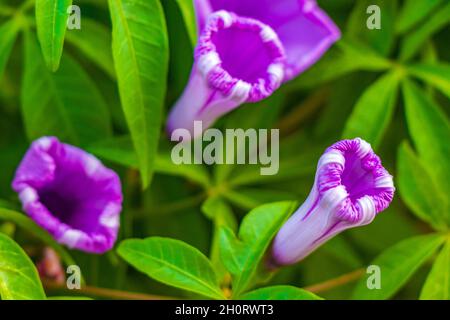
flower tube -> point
(351, 187)
(246, 50)
(69, 193)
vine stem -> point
(107, 293)
(302, 112)
(127, 295)
(335, 282)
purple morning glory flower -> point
(246, 50)
(351, 187)
(71, 194)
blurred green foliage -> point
(105, 91)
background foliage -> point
(103, 88)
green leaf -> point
(363, 55)
(346, 57)
(196, 173)
(116, 149)
(172, 262)
(414, 41)
(242, 255)
(280, 293)
(249, 198)
(29, 225)
(8, 35)
(437, 285)
(217, 210)
(19, 279)
(291, 168)
(381, 40)
(418, 189)
(341, 250)
(51, 24)
(412, 12)
(261, 115)
(120, 150)
(140, 51)
(397, 264)
(438, 75)
(373, 111)
(430, 131)
(188, 13)
(181, 49)
(94, 41)
(52, 103)
(346, 92)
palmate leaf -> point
(140, 51)
(412, 12)
(290, 168)
(346, 57)
(8, 35)
(381, 40)
(172, 262)
(51, 24)
(373, 111)
(94, 41)
(397, 264)
(414, 41)
(418, 189)
(193, 172)
(437, 75)
(430, 130)
(437, 285)
(19, 279)
(280, 293)
(243, 255)
(66, 103)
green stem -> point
(302, 112)
(107, 293)
(335, 282)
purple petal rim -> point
(210, 63)
(350, 189)
(48, 160)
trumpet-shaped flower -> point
(351, 187)
(71, 194)
(246, 50)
